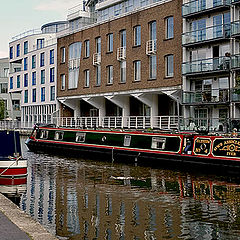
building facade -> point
(33, 63)
(211, 64)
(11, 102)
(125, 67)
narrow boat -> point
(12, 164)
(147, 147)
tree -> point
(2, 109)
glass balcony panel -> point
(235, 61)
(201, 5)
(206, 65)
(210, 96)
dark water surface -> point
(84, 199)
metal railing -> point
(206, 96)
(27, 33)
(134, 122)
(205, 65)
(205, 34)
(197, 6)
(18, 125)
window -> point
(33, 78)
(98, 45)
(137, 70)
(63, 54)
(33, 61)
(42, 94)
(25, 67)
(42, 76)
(25, 46)
(169, 27)
(137, 35)
(11, 82)
(40, 43)
(87, 48)
(110, 42)
(152, 30)
(18, 50)
(52, 74)
(80, 137)
(5, 72)
(63, 81)
(110, 74)
(44, 134)
(52, 93)
(127, 141)
(152, 67)
(26, 96)
(74, 53)
(169, 65)
(16, 104)
(123, 71)
(123, 38)
(87, 79)
(58, 135)
(11, 52)
(158, 143)
(98, 75)
(51, 60)
(18, 81)
(42, 56)
(34, 95)
(3, 87)
(25, 80)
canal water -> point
(86, 199)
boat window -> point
(44, 134)
(80, 137)
(59, 135)
(158, 142)
(127, 140)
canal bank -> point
(15, 224)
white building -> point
(12, 102)
(33, 71)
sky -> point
(19, 16)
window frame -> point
(167, 65)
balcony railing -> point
(198, 6)
(205, 97)
(206, 65)
(206, 34)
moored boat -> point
(12, 164)
(148, 147)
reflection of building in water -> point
(92, 208)
(99, 205)
(39, 200)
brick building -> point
(125, 67)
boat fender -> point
(104, 138)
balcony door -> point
(198, 29)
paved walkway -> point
(9, 230)
(17, 225)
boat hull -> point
(12, 168)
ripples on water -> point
(81, 199)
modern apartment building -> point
(211, 63)
(126, 67)
(33, 69)
(11, 102)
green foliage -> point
(237, 90)
(2, 109)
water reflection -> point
(78, 199)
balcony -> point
(96, 59)
(121, 53)
(151, 47)
(235, 94)
(196, 7)
(235, 29)
(212, 96)
(220, 64)
(209, 34)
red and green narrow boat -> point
(147, 147)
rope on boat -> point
(9, 165)
(112, 155)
